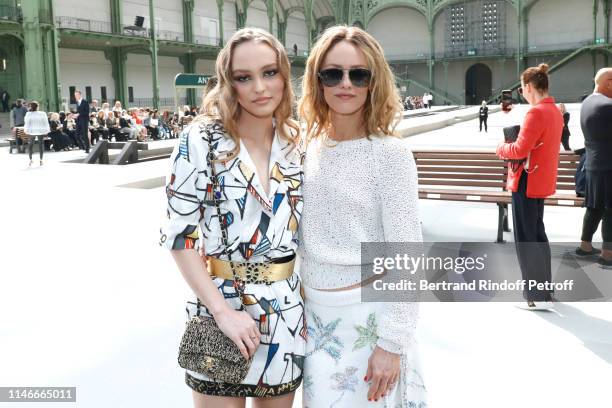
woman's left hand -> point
(383, 373)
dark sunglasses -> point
(520, 91)
(359, 77)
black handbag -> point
(204, 347)
(511, 133)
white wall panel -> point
(206, 20)
(257, 16)
(401, 31)
(81, 68)
(95, 10)
(229, 19)
(169, 15)
(139, 75)
(558, 23)
(168, 68)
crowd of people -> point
(87, 124)
(418, 102)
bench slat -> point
(458, 176)
(472, 170)
(435, 182)
(467, 163)
(484, 156)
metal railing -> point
(135, 31)
(10, 13)
(83, 24)
(296, 53)
(407, 56)
(165, 102)
(476, 52)
(204, 40)
(487, 52)
(558, 46)
(170, 35)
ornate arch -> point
(294, 9)
(379, 8)
(13, 33)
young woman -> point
(36, 127)
(360, 185)
(247, 120)
(533, 181)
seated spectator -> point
(59, 140)
(94, 136)
(152, 125)
(69, 128)
(136, 123)
(102, 130)
(112, 125)
(126, 127)
(105, 109)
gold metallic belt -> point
(251, 272)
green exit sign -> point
(471, 52)
(600, 41)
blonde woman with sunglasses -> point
(247, 136)
(360, 185)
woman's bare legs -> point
(283, 401)
(209, 401)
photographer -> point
(534, 180)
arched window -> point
(3, 61)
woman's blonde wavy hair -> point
(382, 106)
(221, 103)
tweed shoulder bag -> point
(204, 347)
(510, 136)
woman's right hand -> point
(240, 327)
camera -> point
(506, 100)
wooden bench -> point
(21, 136)
(480, 176)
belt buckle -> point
(257, 272)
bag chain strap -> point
(239, 285)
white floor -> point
(88, 299)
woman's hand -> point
(240, 327)
(383, 373)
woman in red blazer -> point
(530, 183)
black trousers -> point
(565, 141)
(591, 220)
(81, 135)
(41, 145)
(5, 107)
(483, 119)
(531, 241)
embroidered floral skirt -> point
(341, 338)
(277, 366)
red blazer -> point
(539, 140)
